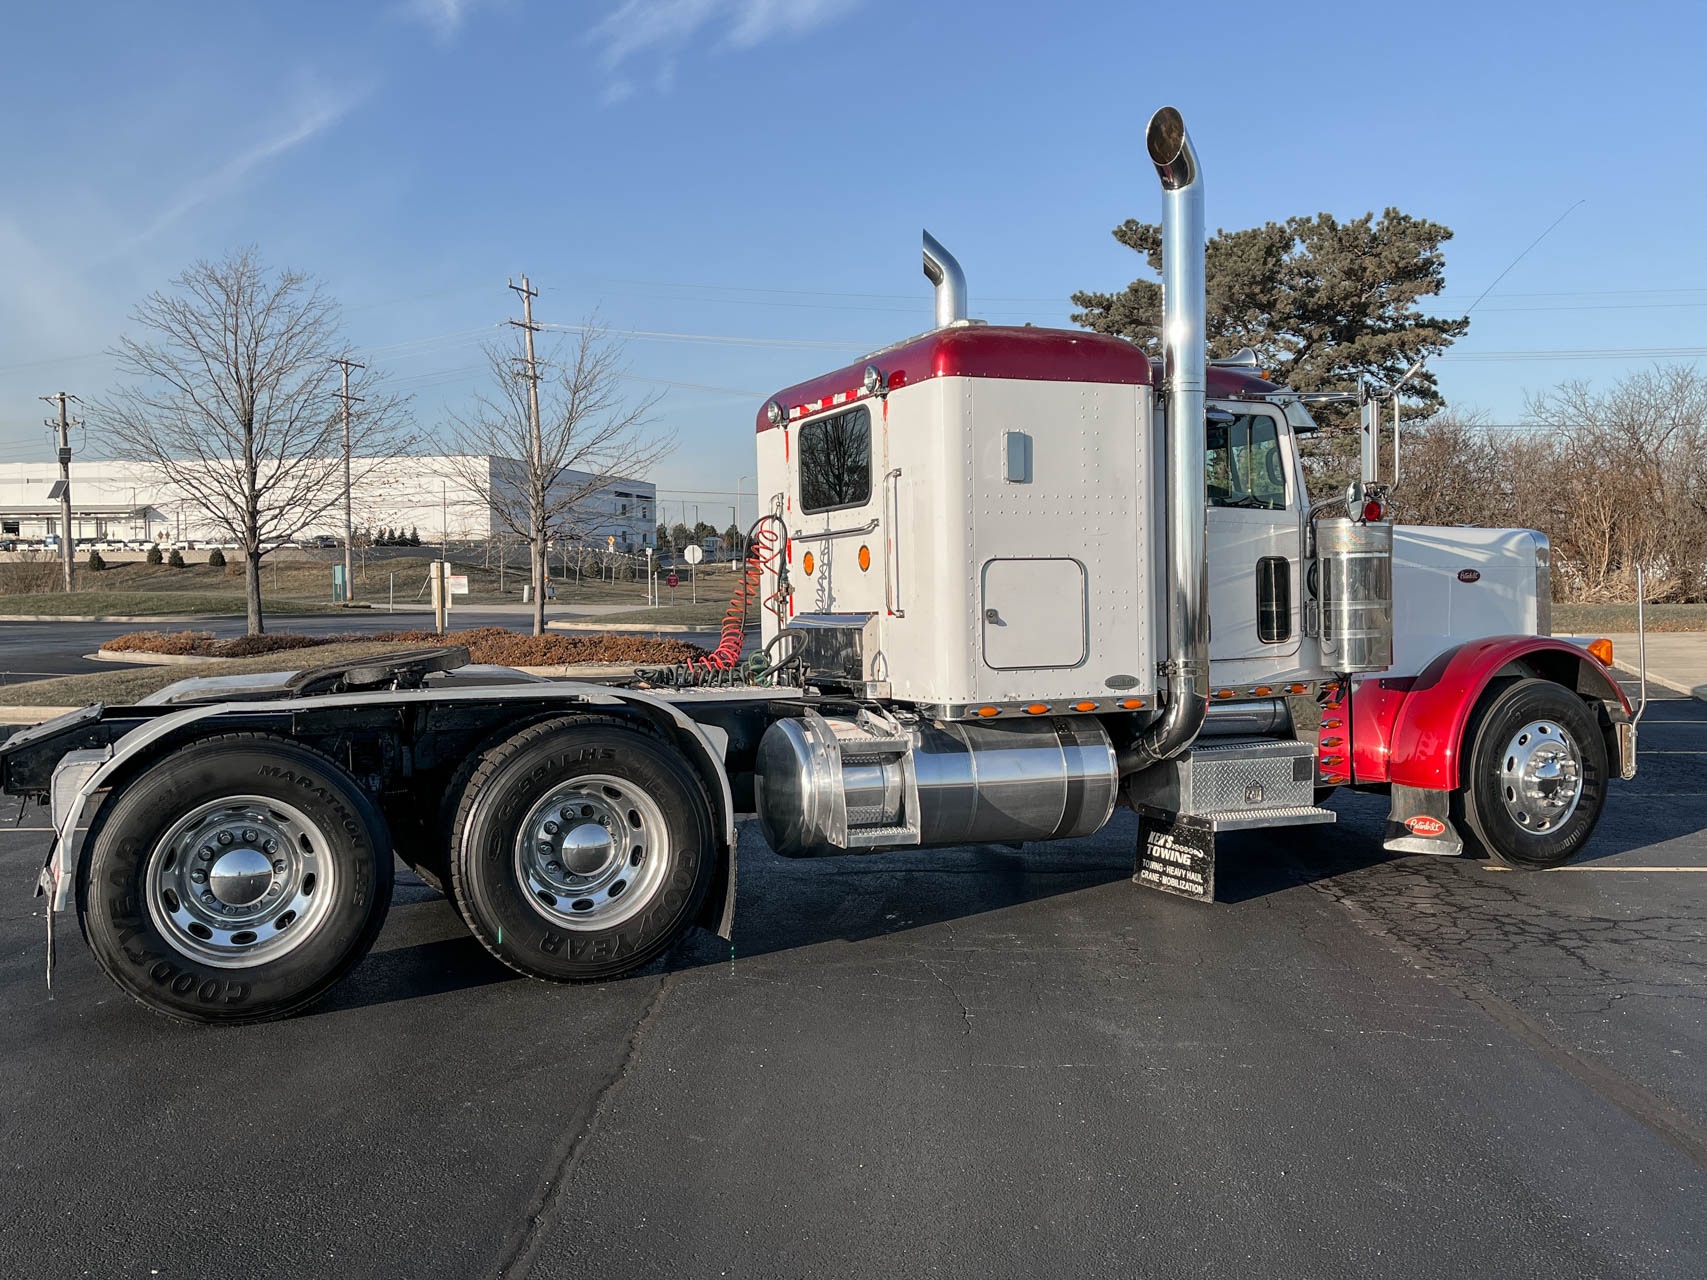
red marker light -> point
(1371, 510)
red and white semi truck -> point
(1010, 580)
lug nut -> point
(271, 846)
(545, 846)
(566, 813)
(199, 876)
(554, 865)
(206, 854)
(278, 866)
(250, 835)
(207, 897)
(224, 837)
(551, 828)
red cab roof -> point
(976, 351)
(998, 351)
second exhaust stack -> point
(1185, 667)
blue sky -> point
(760, 169)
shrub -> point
(96, 564)
(154, 556)
(216, 559)
(176, 559)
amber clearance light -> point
(1601, 649)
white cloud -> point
(312, 117)
(669, 27)
(444, 18)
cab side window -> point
(835, 461)
(1245, 466)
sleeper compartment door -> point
(1033, 614)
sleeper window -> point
(835, 461)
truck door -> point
(1254, 554)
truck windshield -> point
(1244, 465)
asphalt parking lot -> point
(977, 1061)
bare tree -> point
(235, 404)
(1615, 477)
(591, 435)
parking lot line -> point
(1492, 867)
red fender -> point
(1409, 729)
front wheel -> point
(235, 880)
(582, 848)
(1535, 776)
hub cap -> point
(1541, 776)
(591, 853)
(239, 881)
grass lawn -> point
(1602, 619)
(120, 688)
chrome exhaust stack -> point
(944, 272)
(1185, 668)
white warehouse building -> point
(431, 495)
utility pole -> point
(64, 424)
(536, 463)
(349, 567)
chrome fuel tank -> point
(827, 785)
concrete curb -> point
(21, 717)
(149, 659)
(1676, 686)
(641, 628)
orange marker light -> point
(989, 711)
(1262, 691)
(1223, 693)
(1132, 704)
(1084, 706)
(1601, 649)
(864, 559)
(1036, 709)
(807, 562)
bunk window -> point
(835, 461)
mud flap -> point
(1176, 854)
(1420, 821)
(717, 914)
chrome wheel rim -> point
(591, 852)
(1541, 777)
(240, 881)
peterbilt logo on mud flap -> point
(1424, 825)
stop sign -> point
(673, 581)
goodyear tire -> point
(1535, 779)
(234, 880)
(582, 849)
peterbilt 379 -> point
(1010, 579)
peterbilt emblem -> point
(1121, 682)
(1469, 575)
(1422, 824)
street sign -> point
(693, 553)
(673, 581)
(458, 584)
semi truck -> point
(1010, 580)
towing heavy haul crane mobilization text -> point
(987, 575)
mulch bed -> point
(484, 644)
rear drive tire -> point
(1535, 776)
(235, 880)
(582, 849)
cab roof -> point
(997, 351)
